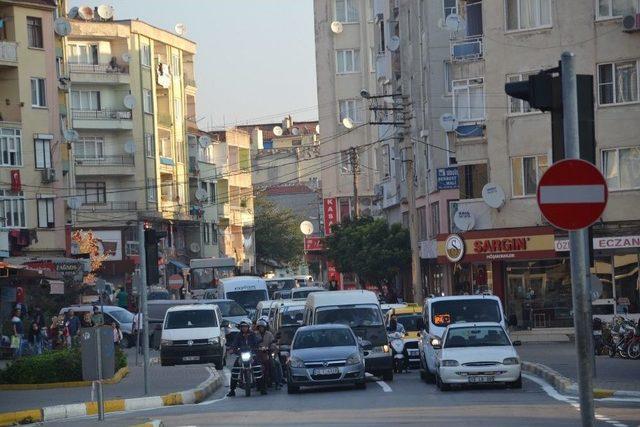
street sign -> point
(572, 194)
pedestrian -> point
(55, 333)
(17, 328)
(35, 339)
(87, 321)
(138, 329)
(117, 334)
(72, 326)
(123, 298)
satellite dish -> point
(130, 147)
(464, 219)
(394, 43)
(129, 101)
(204, 141)
(194, 247)
(295, 131)
(86, 13)
(105, 12)
(306, 227)
(126, 57)
(449, 122)
(181, 29)
(493, 195)
(201, 195)
(62, 27)
(317, 128)
(73, 13)
(348, 123)
(336, 27)
(74, 202)
(71, 135)
(277, 131)
(454, 23)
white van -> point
(193, 334)
(440, 312)
(247, 291)
(359, 310)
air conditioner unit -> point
(631, 23)
(48, 175)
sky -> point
(255, 59)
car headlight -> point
(449, 363)
(511, 361)
(354, 359)
(214, 340)
(294, 362)
(381, 349)
(166, 342)
(245, 356)
(435, 341)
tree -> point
(88, 244)
(371, 248)
(278, 236)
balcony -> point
(9, 53)
(106, 165)
(189, 82)
(99, 73)
(469, 49)
(110, 206)
(102, 119)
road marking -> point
(385, 386)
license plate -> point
(325, 371)
(190, 358)
(413, 352)
(480, 379)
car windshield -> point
(281, 284)
(187, 319)
(411, 322)
(323, 338)
(230, 309)
(292, 315)
(350, 315)
(248, 299)
(302, 294)
(444, 313)
(481, 336)
(122, 316)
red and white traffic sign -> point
(572, 194)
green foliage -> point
(278, 236)
(370, 248)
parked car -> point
(325, 355)
(477, 353)
(112, 314)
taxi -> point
(410, 316)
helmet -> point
(262, 323)
(245, 322)
(265, 319)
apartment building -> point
(32, 218)
(502, 146)
(130, 92)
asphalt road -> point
(405, 401)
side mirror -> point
(224, 323)
(517, 343)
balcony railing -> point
(101, 114)
(9, 51)
(121, 160)
(467, 49)
(98, 68)
(111, 206)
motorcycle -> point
(400, 362)
(623, 339)
(599, 345)
(249, 373)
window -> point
(147, 101)
(449, 7)
(177, 110)
(451, 150)
(43, 153)
(347, 61)
(472, 178)
(206, 233)
(434, 229)
(615, 8)
(381, 37)
(525, 174)
(620, 168)
(34, 32)
(88, 100)
(519, 106)
(145, 52)
(38, 95)
(46, 217)
(372, 59)
(468, 99)
(386, 160)
(527, 14)
(350, 108)
(152, 190)
(346, 166)
(179, 152)
(149, 145)
(89, 147)
(166, 150)
(214, 233)
(448, 77)
(175, 65)
(347, 11)
(403, 164)
(83, 54)
(12, 213)
(10, 147)
(92, 192)
(618, 82)
(205, 154)
(422, 223)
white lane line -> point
(385, 386)
(552, 392)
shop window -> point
(603, 269)
(626, 283)
(472, 179)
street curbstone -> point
(122, 372)
(152, 423)
(143, 403)
(60, 412)
(115, 405)
(172, 399)
(20, 417)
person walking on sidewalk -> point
(117, 334)
(17, 328)
(72, 326)
(123, 298)
(35, 339)
(138, 329)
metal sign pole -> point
(578, 241)
(143, 299)
(99, 356)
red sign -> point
(330, 214)
(572, 194)
(500, 245)
(313, 244)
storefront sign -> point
(499, 244)
(447, 178)
(330, 214)
(603, 243)
(313, 244)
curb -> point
(60, 412)
(152, 423)
(565, 385)
(122, 372)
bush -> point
(50, 367)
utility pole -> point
(355, 170)
(143, 299)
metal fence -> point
(119, 160)
(101, 114)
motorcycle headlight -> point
(294, 362)
(449, 363)
(354, 359)
(214, 340)
(245, 356)
(166, 342)
(511, 361)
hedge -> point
(50, 367)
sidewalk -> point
(162, 380)
(611, 373)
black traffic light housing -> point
(151, 240)
(537, 91)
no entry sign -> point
(572, 194)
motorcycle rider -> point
(394, 325)
(245, 339)
(267, 346)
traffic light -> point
(537, 91)
(151, 240)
